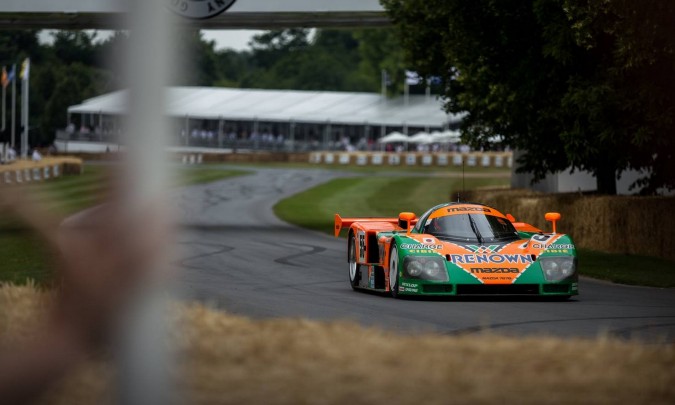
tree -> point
(75, 46)
(521, 69)
(380, 50)
(635, 42)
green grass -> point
(23, 254)
(627, 269)
(371, 196)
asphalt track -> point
(236, 255)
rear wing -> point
(347, 222)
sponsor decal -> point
(469, 209)
(408, 287)
(420, 246)
(199, 9)
(491, 258)
(483, 249)
(362, 245)
(553, 246)
(428, 241)
(494, 270)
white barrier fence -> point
(475, 159)
(192, 159)
(29, 175)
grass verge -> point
(627, 269)
(371, 196)
(22, 252)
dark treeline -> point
(77, 65)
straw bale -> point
(614, 224)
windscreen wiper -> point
(475, 229)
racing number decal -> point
(362, 246)
(541, 238)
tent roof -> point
(285, 105)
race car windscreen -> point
(472, 228)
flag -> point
(4, 79)
(25, 69)
(11, 75)
(435, 80)
(412, 78)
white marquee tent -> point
(213, 103)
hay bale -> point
(614, 224)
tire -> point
(354, 268)
(393, 272)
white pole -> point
(4, 107)
(144, 363)
(406, 90)
(24, 110)
(14, 108)
(384, 84)
(3, 148)
(221, 127)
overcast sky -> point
(235, 39)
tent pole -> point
(221, 126)
(187, 130)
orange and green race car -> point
(459, 249)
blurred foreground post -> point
(144, 360)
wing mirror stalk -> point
(405, 221)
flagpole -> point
(4, 96)
(384, 84)
(406, 90)
(3, 149)
(24, 110)
(14, 107)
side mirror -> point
(510, 218)
(553, 217)
(405, 221)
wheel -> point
(393, 272)
(354, 268)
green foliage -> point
(572, 83)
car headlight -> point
(414, 268)
(425, 268)
(558, 268)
